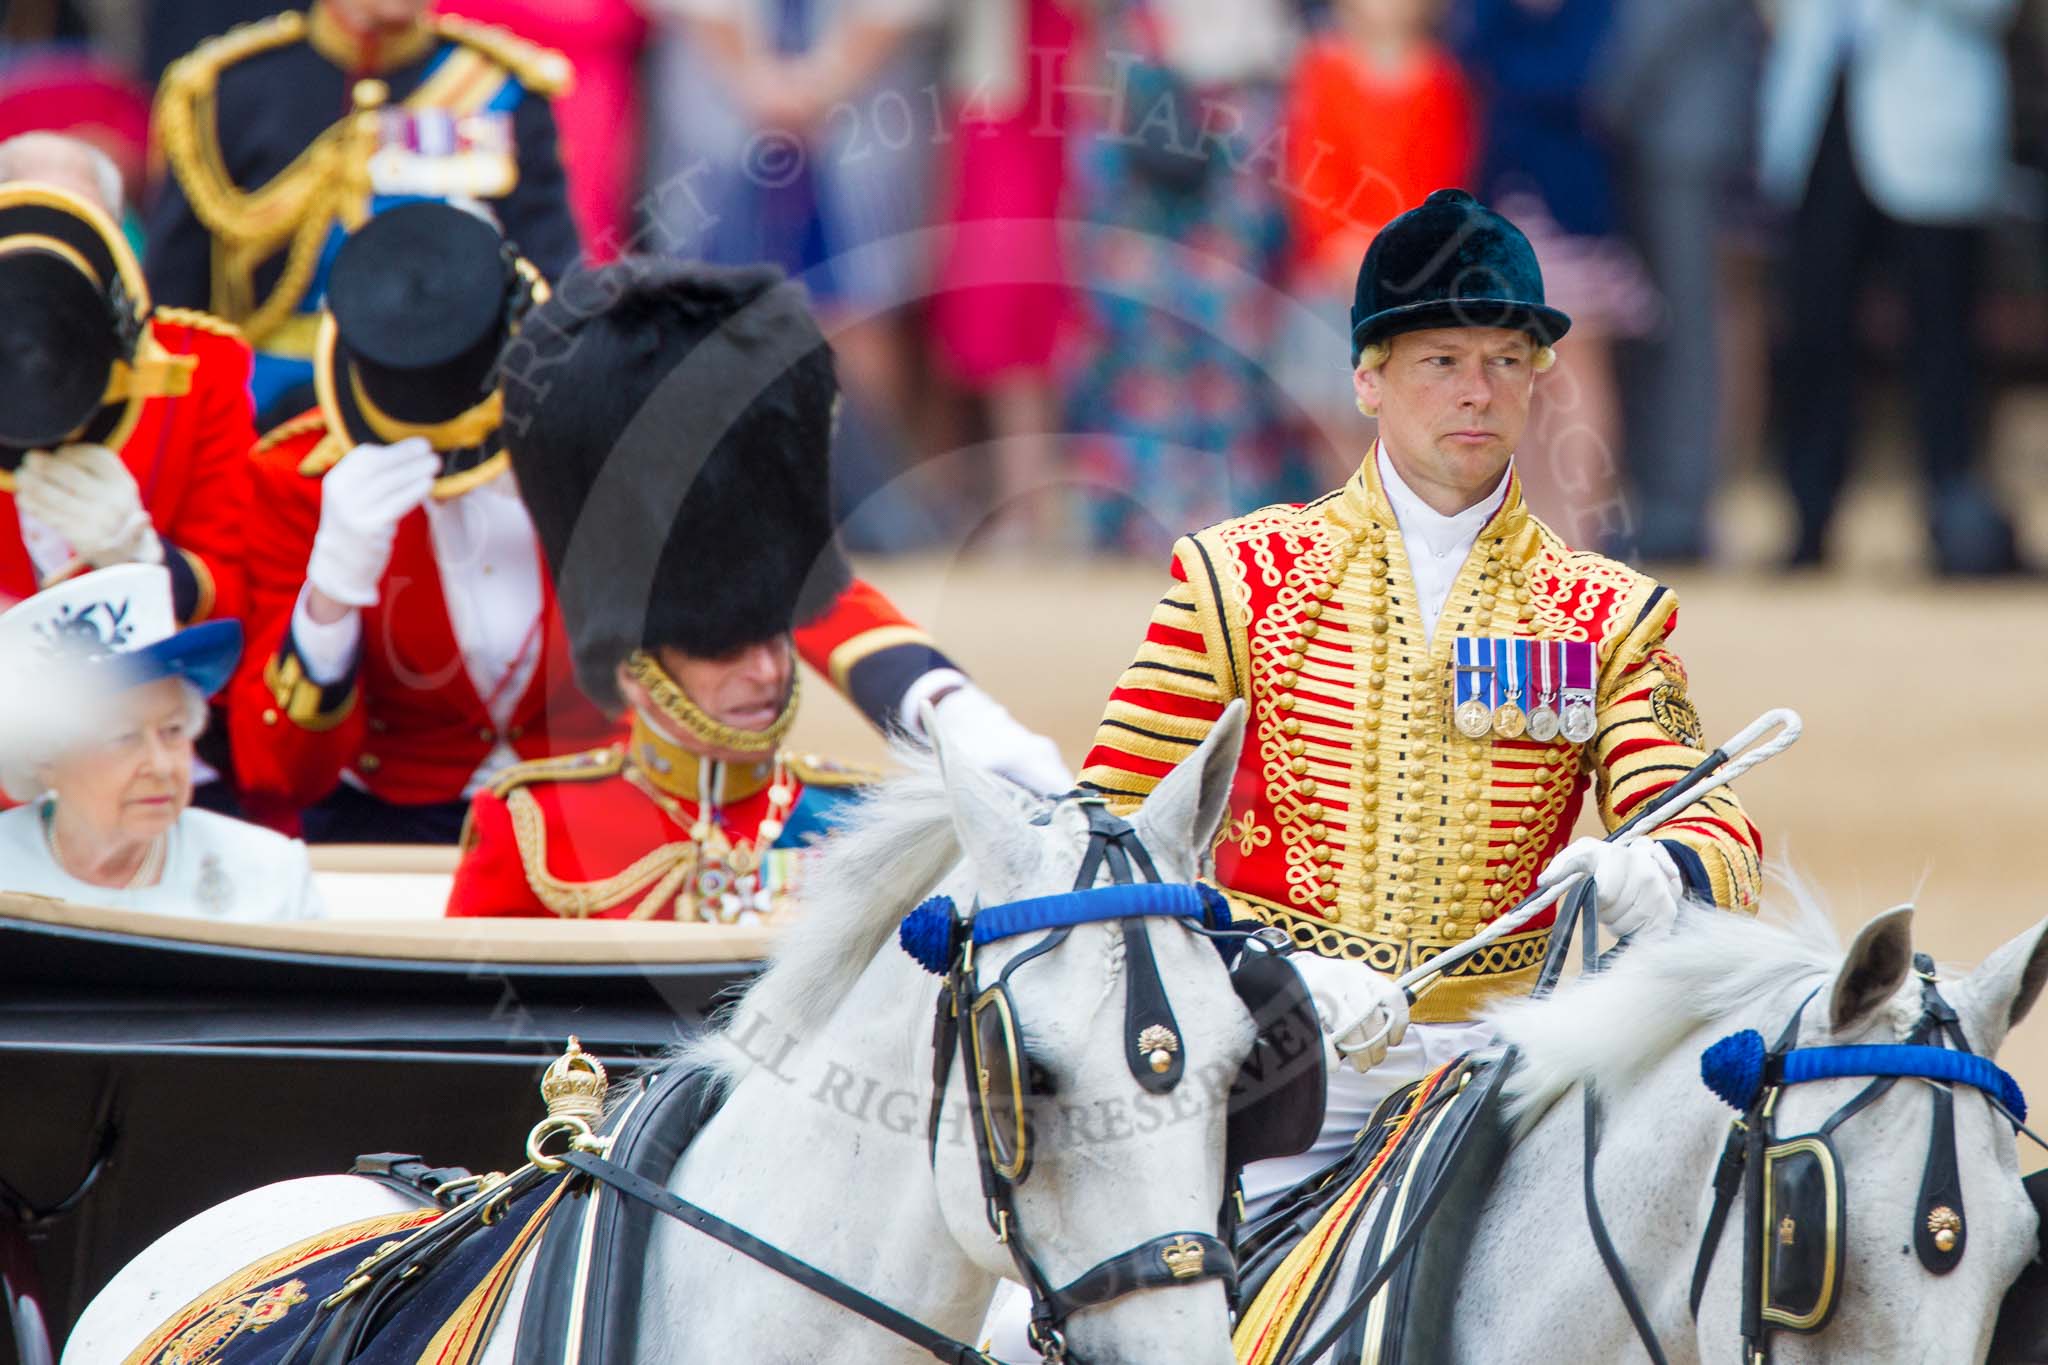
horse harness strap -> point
(654, 1196)
(1792, 1189)
(1277, 1097)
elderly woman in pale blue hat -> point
(108, 818)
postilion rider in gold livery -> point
(682, 566)
(282, 136)
(1378, 814)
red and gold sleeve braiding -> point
(1650, 736)
(1164, 704)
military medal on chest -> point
(1512, 665)
(1473, 714)
(1543, 685)
(1577, 718)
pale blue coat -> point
(1928, 101)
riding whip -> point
(1716, 770)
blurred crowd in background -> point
(1086, 263)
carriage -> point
(844, 992)
(153, 1067)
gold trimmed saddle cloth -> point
(1376, 1200)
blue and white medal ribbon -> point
(1508, 720)
(1474, 715)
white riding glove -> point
(1363, 1013)
(362, 500)
(85, 494)
(1640, 887)
(986, 735)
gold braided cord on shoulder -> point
(289, 429)
(660, 872)
(585, 766)
(198, 320)
(540, 69)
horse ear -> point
(1189, 804)
(988, 822)
(2001, 991)
(1874, 969)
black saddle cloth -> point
(1453, 1138)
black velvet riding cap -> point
(72, 305)
(423, 298)
(1450, 262)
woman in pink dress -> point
(1001, 296)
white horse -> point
(1534, 1287)
(821, 1147)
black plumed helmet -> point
(670, 426)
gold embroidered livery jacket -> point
(1361, 820)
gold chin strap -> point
(460, 432)
(676, 706)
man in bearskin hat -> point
(405, 646)
(124, 427)
(676, 467)
(1435, 679)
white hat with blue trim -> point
(121, 619)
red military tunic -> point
(1361, 820)
(623, 832)
(409, 724)
(189, 455)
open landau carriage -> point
(154, 1067)
(157, 1068)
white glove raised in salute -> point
(362, 500)
(1363, 1013)
(983, 733)
(85, 494)
(1639, 886)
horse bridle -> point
(944, 942)
(979, 1025)
(1789, 1279)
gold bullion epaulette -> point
(540, 69)
(586, 766)
(815, 771)
(286, 430)
(197, 319)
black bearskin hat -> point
(670, 425)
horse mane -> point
(1607, 1030)
(894, 844)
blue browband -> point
(1736, 1068)
(930, 933)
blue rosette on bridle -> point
(931, 934)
